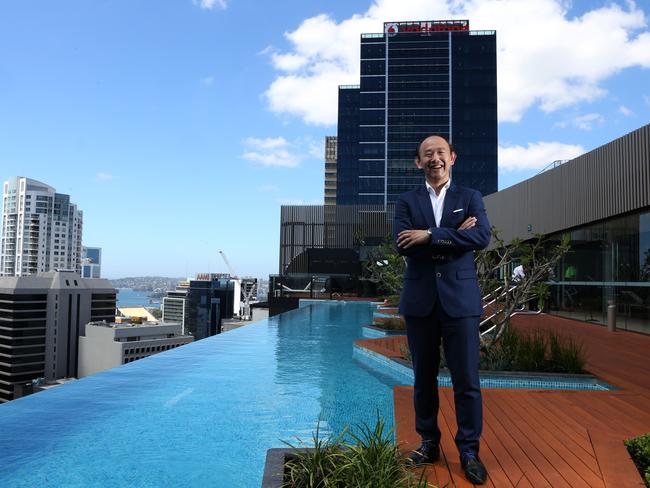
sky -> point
(180, 127)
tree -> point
(385, 267)
(539, 256)
(501, 292)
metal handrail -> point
(501, 295)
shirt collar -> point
(431, 190)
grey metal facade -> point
(305, 227)
(611, 180)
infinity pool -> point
(200, 415)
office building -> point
(107, 345)
(330, 170)
(199, 305)
(41, 319)
(91, 262)
(417, 78)
(173, 307)
(602, 201)
(41, 229)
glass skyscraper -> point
(418, 78)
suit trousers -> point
(461, 345)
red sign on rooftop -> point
(392, 28)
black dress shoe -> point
(427, 453)
(474, 469)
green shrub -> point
(536, 351)
(639, 449)
(370, 460)
(531, 352)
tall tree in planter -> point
(385, 267)
(539, 258)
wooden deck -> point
(542, 438)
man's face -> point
(435, 159)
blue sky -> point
(180, 127)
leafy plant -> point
(639, 449)
(385, 267)
(371, 459)
(537, 351)
(539, 257)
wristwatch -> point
(429, 232)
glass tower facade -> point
(417, 79)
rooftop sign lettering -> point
(392, 28)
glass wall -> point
(608, 261)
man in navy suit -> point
(438, 226)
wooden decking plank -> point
(519, 455)
(564, 428)
(409, 439)
(447, 425)
(634, 406)
(496, 473)
(535, 450)
(617, 467)
(606, 417)
(555, 427)
(564, 438)
(563, 458)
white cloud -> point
(207, 81)
(210, 4)
(272, 151)
(625, 111)
(537, 155)
(583, 122)
(104, 176)
(546, 58)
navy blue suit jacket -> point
(444, 267)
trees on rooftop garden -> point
(504, 294)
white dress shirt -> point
(437, 200)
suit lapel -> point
(451, 201)
(425, 206)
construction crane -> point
(225, 260)
(245, 298)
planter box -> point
(276, 458)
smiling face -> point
(435, 158)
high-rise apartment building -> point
(330, 170)
(91, 262)
(41, 319)
(418, 78)
(41, 229)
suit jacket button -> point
(438, 275)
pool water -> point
(202, 414)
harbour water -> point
(127, 297)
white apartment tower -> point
(41, 229)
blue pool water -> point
(200, 415)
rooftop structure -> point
(107, 345)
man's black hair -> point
(417, 148)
